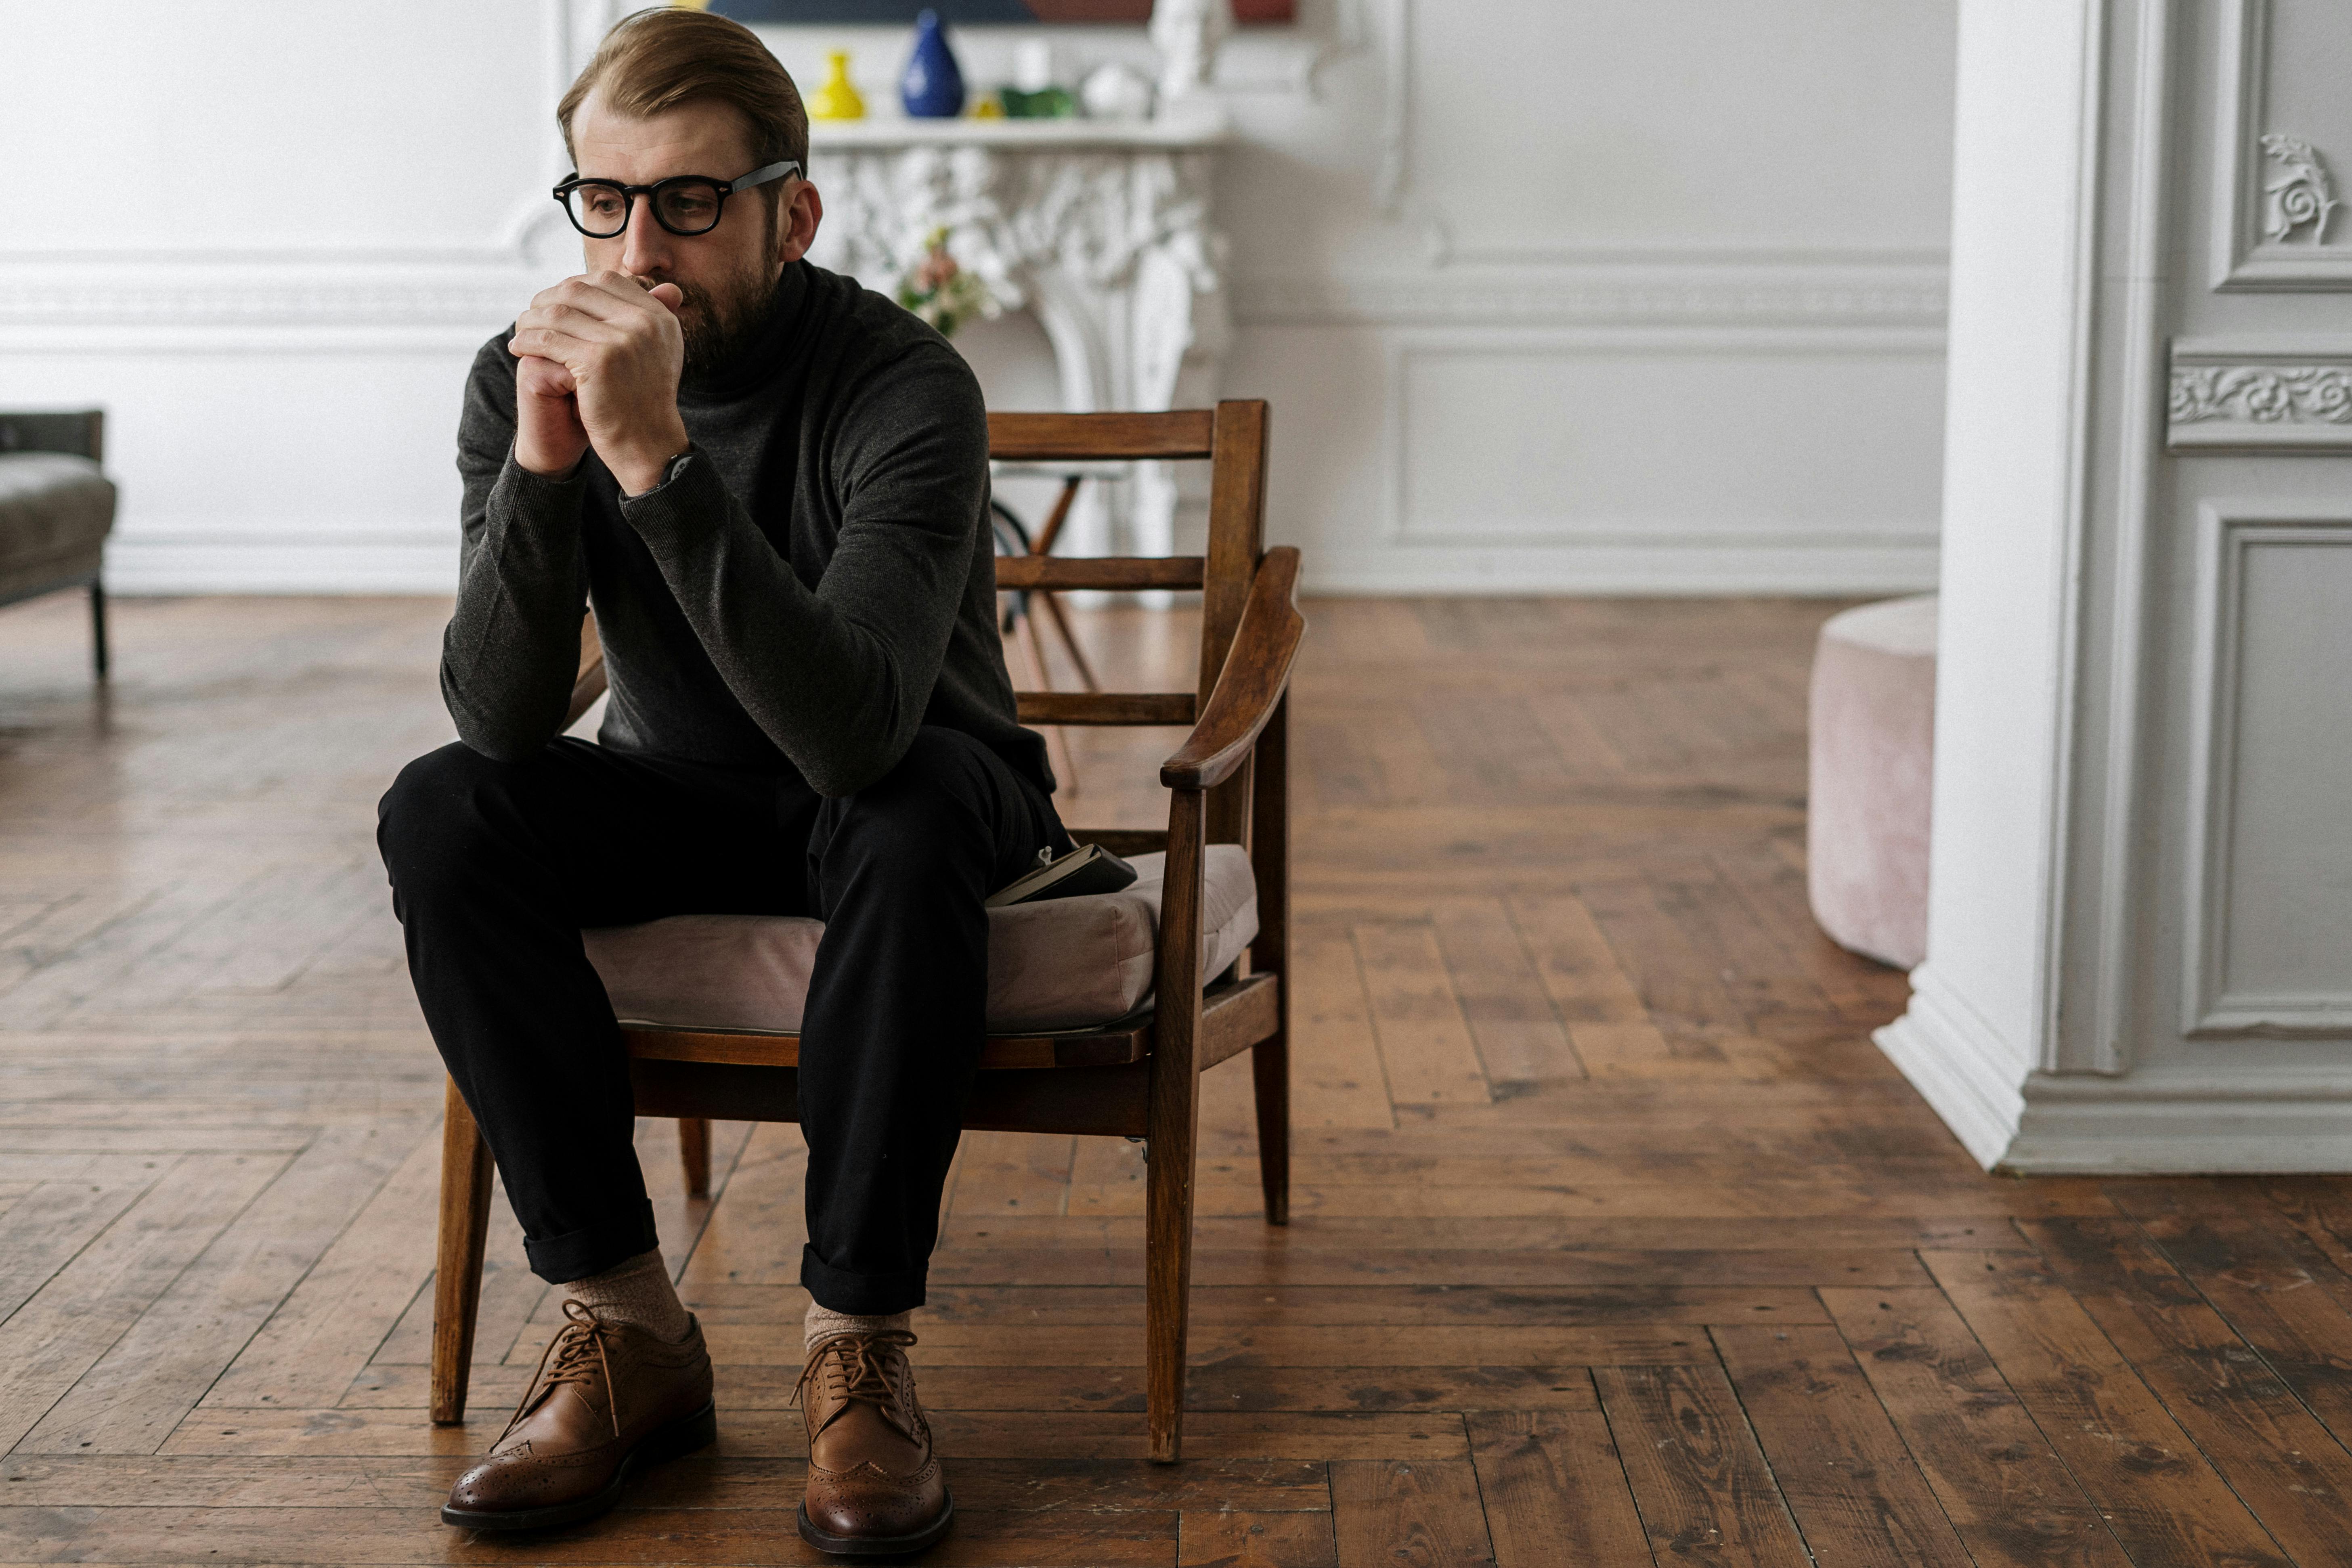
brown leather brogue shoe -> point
(608, 1398)
(873, 1484)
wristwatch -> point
(667, 474)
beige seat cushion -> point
(1064, 963)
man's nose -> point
(645, 244)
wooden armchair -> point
(1227, 784)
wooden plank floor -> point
(1615, 1241)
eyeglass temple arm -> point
(762, 176)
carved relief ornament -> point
(2300, 195)
(2263, 393)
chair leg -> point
(97, 627)
(694, 1154)
(1168, 1267)
(458, 1277)
(1270, 1075)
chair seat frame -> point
(1137, 1077)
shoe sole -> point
(876, 1545)
(699, 1430)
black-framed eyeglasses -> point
(686, 204)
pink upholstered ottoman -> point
(1873, 729)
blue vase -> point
(932, 87)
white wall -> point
(1547, 295)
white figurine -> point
(1116, 92)
(1187, 33)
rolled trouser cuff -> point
(577, 1254)
(867, 1295)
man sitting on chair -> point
(773, 486)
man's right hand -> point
(550, 440)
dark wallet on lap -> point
(1091, 869)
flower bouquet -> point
(942, 292)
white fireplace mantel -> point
(1101, 230)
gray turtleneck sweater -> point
(817, 580)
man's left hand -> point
(620, 341)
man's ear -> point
(796, 221)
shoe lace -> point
(576, 1354)
(857, 1369)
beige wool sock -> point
(636, 1291)
(823, 1322)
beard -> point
(720, 322)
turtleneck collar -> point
(758, 359)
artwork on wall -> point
(975, 12)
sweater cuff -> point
(688, 501)
(536, 494)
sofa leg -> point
(97, 627)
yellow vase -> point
(837, 99)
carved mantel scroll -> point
(1103, 232)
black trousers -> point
(496, 867)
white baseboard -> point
(2183, 1125)
(420, 560)
(1708, 567)
(1960, 1065)
(2170, 1123)
(423, 559)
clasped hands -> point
(597, 364)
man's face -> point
(728, 275)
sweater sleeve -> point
(840, 676)
(512, 649)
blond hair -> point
(656, 60)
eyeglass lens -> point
(602, 211)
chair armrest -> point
(589, 684)
(1256, 672)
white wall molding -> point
(2091, 899)
(275, 298)
(1671, 288)
(2261, 393)
(2276, 223)
(1696, 564)
(281, 290)
(1664, 529)
(2226, 533)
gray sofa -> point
(57, 506)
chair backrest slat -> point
(1121, 572)
(1082, 438)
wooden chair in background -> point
(1227, 783)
